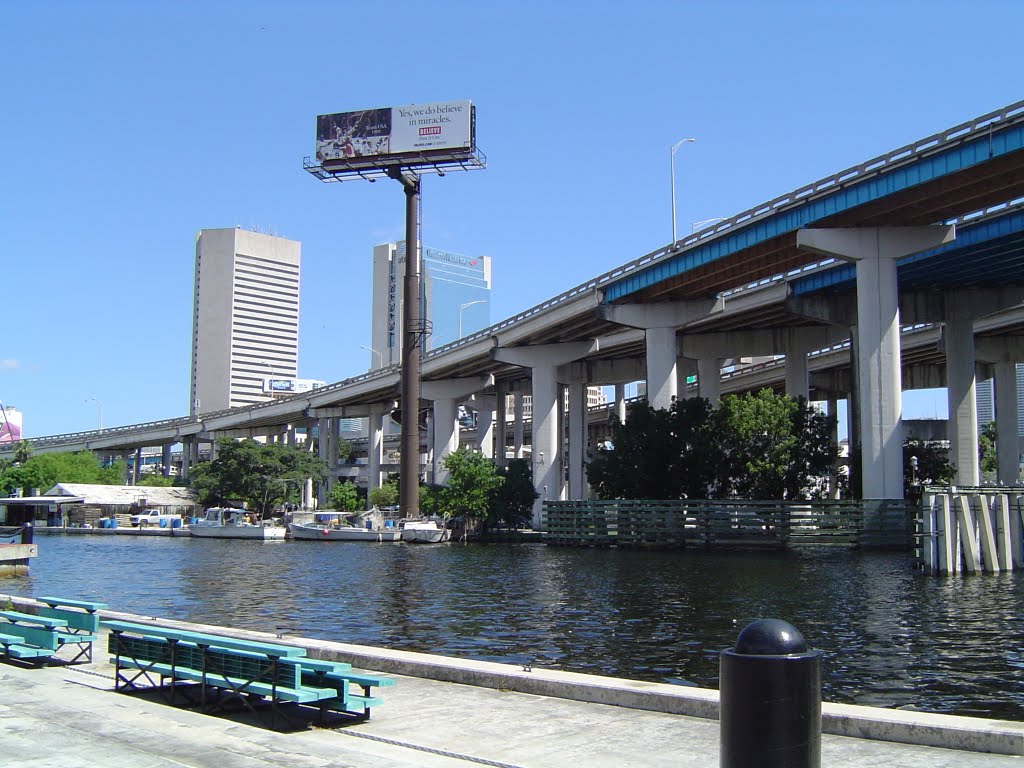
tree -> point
(384, 495)
(763, 446)
(511, 502)
(472, 478)
(154, 480)
(45, 470)
(987, 442)
(932, 467)
(261, 476)
(775, 446)
(343, 496)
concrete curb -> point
(875, 723)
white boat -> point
(425, 532)
(329, 532)
(227, 523)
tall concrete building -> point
(455, 295)
(245, 321)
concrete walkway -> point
(69, 715)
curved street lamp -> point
(672, 170)
(99, 407)
(378, 354)
(462, 307)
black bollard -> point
(770, 699)
(26, 533)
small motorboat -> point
(334, 532)
(228, 523)
(425, 532)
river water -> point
(892, 637)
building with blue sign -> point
(455, 298)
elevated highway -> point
(778, 279)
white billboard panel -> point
(377, 134)
(290, 386)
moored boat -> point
(329, 532)
(425, 532)
(228, 523)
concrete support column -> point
(290, 435)
(958, 334)
(165, 460)
(501, 417)
(517, 426)
(545, 440)
(335, 442)
(543, 361)
(833, 439)
(307, 493)
(188, 446)
(661, 367)
(797, 379)
(620, 402)
(577, 440)
(709, 378)
(685, 367)
(137, 466)
(1008, 443)
(446, 395)
(485, 407)
(446, 436)
(374, 446)
(875, 251)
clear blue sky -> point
(129, 126)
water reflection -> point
(891, 637)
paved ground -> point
(69, 716)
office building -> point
(986, 409)
(455, 296)
(245, 326)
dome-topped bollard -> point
(770, 699)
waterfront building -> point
(455, 296)
(245, 326)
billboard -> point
(10, 425)
(389, 136)
(290, 386)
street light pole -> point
(672, 171)
(378, 354)
(462, 307)
(99, 407)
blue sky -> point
(130, 126)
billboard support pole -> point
(413, 332)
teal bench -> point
(24, 638)
(83, 623)
(226, 669)
(339, 676)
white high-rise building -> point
(245, 322)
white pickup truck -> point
(152, 517)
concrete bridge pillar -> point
(709, 378)
(958, 335)
(577, 440)
(518, 429)
(685, 367)
(1008, 441)
(165, 460)
(501, 419)
(660, 322)
(446, 395)
(545, 447)
(620, 402)
(485, 406)
(875, 251)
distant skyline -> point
(130, 127)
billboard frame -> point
(373, 167)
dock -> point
(448, 712)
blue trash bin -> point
(176, 522)
(163, 523)
(112, 523)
